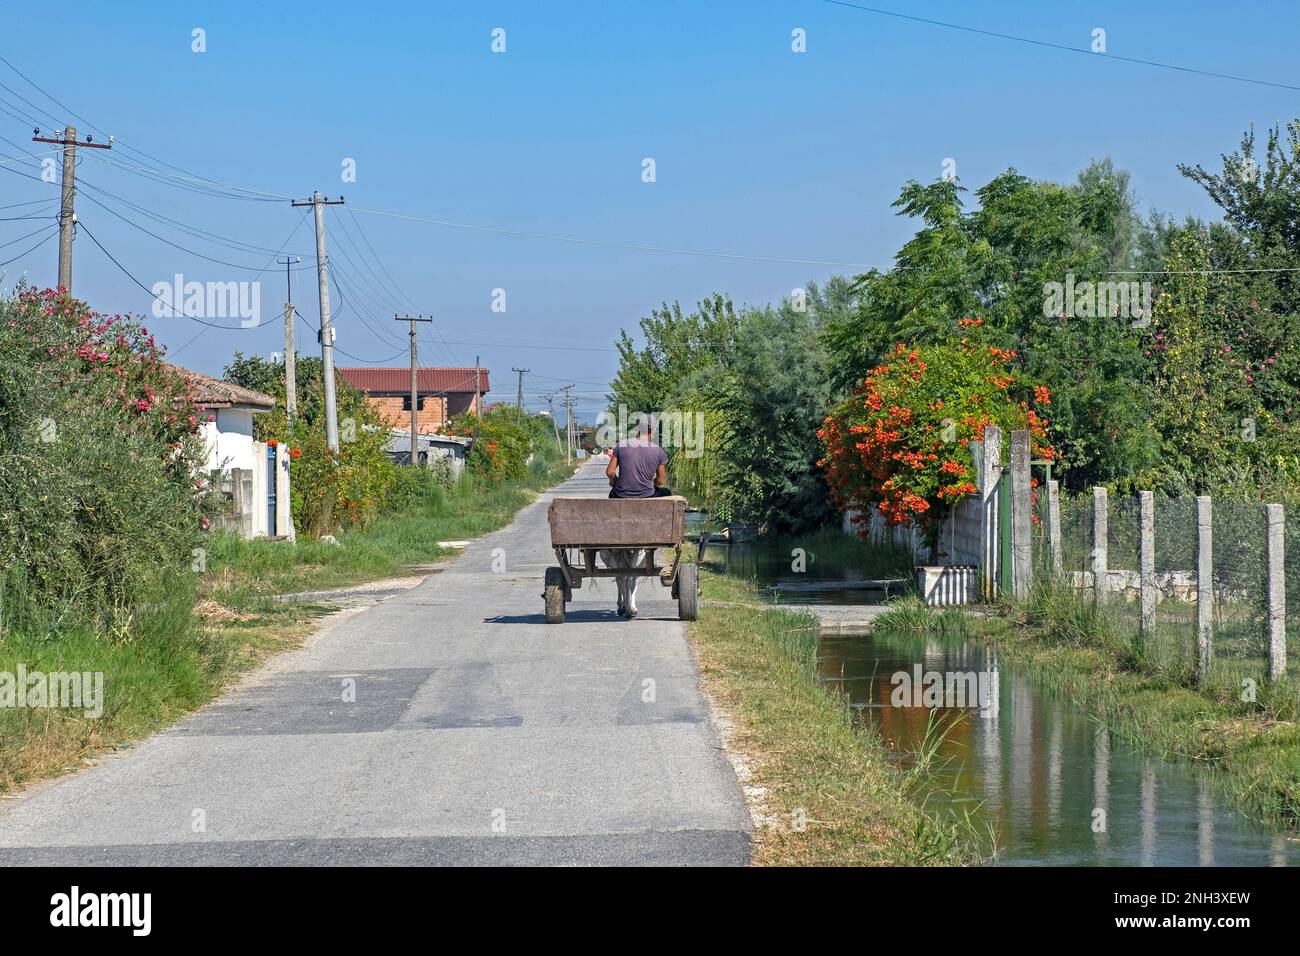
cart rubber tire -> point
(554, 596)
(688, 592)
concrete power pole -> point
(67, 209)
(519, 394)
(478, 409)
(318, 204)
(415, 390)
(290, 350)
(568, 423)
(550, 401)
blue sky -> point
(759, 151)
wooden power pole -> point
(318, 204)
(415, 390)
(67, 209)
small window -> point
(406, 403)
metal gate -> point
(270, 490)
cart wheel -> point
(554, 595)
(687, 587)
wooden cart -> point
(580, 527)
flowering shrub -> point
(329, 490)
(333, 490)
(901, 443)
(504, 441)
(99, 457)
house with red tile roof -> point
(442, 393)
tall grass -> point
(808, 753)
(242, 572)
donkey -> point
(623, 559)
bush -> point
(902, 442)
(330, 490)
(99, 449)
(504, 438)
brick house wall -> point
(436, 410)
(444, 393)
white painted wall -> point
(230, 439)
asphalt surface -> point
(448, 724)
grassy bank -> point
(803, 748)
(242, 572)
(175, 652)
(1251, 748)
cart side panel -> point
(618, 522)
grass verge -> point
(176, 652)
(1252, 748)
(801, 746)
(242, 572)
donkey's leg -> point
(633, 559)
(612, 560)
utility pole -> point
(290, 351)
(519, 395)
(568, 424)
(415, 392)
(67, 210)
(550, 401)
(478, 409)
(318, 204)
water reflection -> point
(1057, 788)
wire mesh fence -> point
(1238, 584)
(1123, 587)
(1240, 592)
(1172, 643)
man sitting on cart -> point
(638, 468)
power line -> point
(198, 184)
(274, 256)
(21, 238)
(378, 290)
(238, 245)
(168, 242)
(348, 300)
(1059, 46)
(33, 202)
(53, 232)
(437, 330)
(170, 306)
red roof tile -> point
(397, 381)
(209, 392)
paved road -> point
(479, 734)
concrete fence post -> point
(1100, 546)
(990, 472)
(283, 504)
(1022, 555)
(1204, 587)
(1276, 592)
(1054, 527)
(1147, 563)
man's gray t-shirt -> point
(638, 463)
